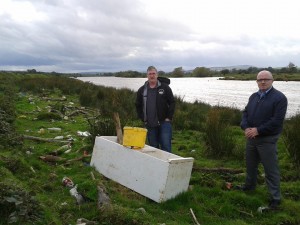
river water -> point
(210, 90)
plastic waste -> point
(262, 209)
(54, 129)
(79, 198)
(67, 182)
(103, 198)
(83, 134)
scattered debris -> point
(68, 151)
(52, 158)
(61, 149)
(228, 185)
(59, 137)
(63, 98)
(263, 209)
(32, 169)
(41, 131)
(43, 139)
(219, 170)
(54, 129)
(103, 198)
(83, 221)
(142, 210)
(79, 198)
(83, 133)
(246, 213)
(67, 182)
(194, 217)
(78, 159)
(76, 112)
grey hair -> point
(151, 68)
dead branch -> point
(52, 158)
(43, 139)
(219, 170)
(54, 99)
(57, 112)
(78, 159)
(76, 112)
(249, 214)
(32, 169)
(194, 217)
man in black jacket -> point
(262, 123)
(155, 106)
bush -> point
(218, 136)
(100, 126)
(190, 116)
(291, 138)
(8, 136)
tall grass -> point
(219, 134)
(8, 136)
(190, 116)
(291, 138)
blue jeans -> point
(161, 136)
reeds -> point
(291, 138)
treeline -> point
(291, 69)
(290, 72)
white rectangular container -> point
(151, 172)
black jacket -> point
(165, 102)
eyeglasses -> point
(263, 80)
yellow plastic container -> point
(134, 137)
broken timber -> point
(44, 139)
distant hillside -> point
(238, 67)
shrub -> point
(291, 138)
(100, 126)
(189, 116)
(218, 136)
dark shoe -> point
(274, 204)
(243, 188)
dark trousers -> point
(264, 150)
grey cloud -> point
(115, 35)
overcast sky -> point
(119, 35)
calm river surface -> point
(209, 90)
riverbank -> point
(209, 90)
(35, 180)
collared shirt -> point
(262, 94)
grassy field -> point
(31, 189)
